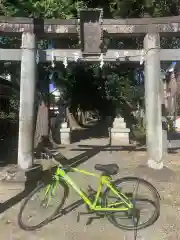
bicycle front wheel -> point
(41, 205)
(146, 203)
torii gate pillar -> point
(27, 101)
(154, 132)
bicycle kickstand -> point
(90, 219)
(83, 213)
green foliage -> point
(68, 8)
(136, 8)
(64, 9)
(87, 86)
(170, 124)
(139, 133)
(13, 114)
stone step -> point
(117, 130)
(119, 125)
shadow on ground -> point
(96, 130)
(47, 175)
(88, 152)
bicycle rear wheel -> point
(41, 205)
(132, 220)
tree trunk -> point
(73, 124)
(41, 136)
(83, 120)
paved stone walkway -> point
(131, 163)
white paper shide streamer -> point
(142, 57)
(101, 58)
(65, 62)
(52, 59)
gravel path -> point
(130, 163)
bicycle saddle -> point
(110, 169)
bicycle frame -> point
(104, 180)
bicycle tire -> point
(50, 217)
(155, 194)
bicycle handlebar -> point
(53, 155)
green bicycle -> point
(121, 207)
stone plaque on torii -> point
(90, 31)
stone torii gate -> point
(90, 28)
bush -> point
(139, 133)
(13, 114)
(170, 124)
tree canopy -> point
(68, 8)
(86, 85)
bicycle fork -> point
(50, 191)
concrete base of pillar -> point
(65, 134)
(155, 165)
(16, 174)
